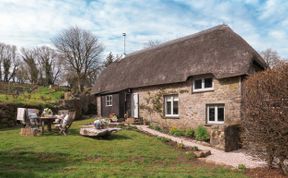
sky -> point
(31, 23)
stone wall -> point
(192, 106)
(192, 109)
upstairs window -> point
(215, 114)
(171, 106)
(109, 100)
(203, 84)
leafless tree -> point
(50, 64)
(29, 56)
(265, 113)
(8, 62)
(109, 59)
(81, 51)
(271, 57)
(152, 43)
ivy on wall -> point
(154, 102)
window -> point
(171, 106)
(109, 100)
(215, 114)
(203, 84)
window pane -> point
(220, 114)
(175, 107)
(168, 107)
(211, 113)
(208, 82)
(198, 84)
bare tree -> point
(265, 113)
(49, 63)
(29, 56)
(8, 62)
(151, 43)
(22, 73)
(109, 60)
(271, 57)
(81, 51)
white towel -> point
(21, 114)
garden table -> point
(47, 119)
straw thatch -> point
(218, 51)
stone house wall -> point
(192, 106)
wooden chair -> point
(33, 117)
(66, 123)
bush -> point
(265, 114)
(155, 127)
(177, 132)
(242, 167)
(201, 133)
(180, 146)
(190, 133)
(164, 140)
(190, 155)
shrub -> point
(242, 167)
(155, 127)
(190, 155)
(195, 148)
(201, 133)
(177, 132)
(190, 133)
(164, 140)
(180, 146)
(265, 114)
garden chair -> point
(21, 116)
(66, 123)
(60, 116)
(33, 117)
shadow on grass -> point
(17, 163)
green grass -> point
(127, 153)
(41, 96)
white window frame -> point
(171, 98)
(216, 106)
(108, 100)
(203, 85)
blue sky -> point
(32, 23)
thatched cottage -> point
(190, 81)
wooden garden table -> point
(47, 119)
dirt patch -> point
(265, 173)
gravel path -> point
(219, 157)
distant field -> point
(41, 95)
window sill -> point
(211, 124)
(202, 90)
(171, 117)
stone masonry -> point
(192, 106)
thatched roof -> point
(218, 51)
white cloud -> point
(34, 22)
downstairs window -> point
(215, 114)
(171, 106)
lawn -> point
(127, 153)
(42, 95)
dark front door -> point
(128, 104)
